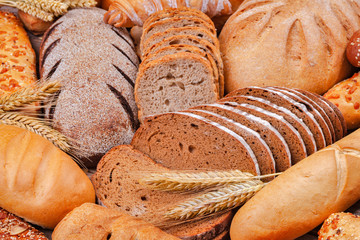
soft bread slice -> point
(269, 134)
(187, 141)
(289, 133)
(117, 186)
(258, 145)
(295, 121)
(174, 82)
(328, 135)
(173, 49)
(335, 117)
(193, 31)
(282, 100)
(176, 22)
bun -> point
(35, 25)
(340, 226)
(288, 43)
(353, 49)
(93, 222)
(346, 96)
(303, 196)
(39, 182)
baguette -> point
(303, 196)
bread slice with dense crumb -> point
(174, 82)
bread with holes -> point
(97, 66)
(301, 39)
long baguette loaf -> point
(304, 195)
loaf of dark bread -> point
(97, 66)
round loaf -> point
(288, 43)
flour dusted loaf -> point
(39, 182)
(289, 43)
(17, 58)
(117, 186)
(97, 66)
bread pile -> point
(97, 66)
(257, 130)
(181, 64)
(117, 186)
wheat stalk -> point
(80, 3)
(28, 95)
(37, 126)
(34, 11)
(51, 6)
(228, 197)
(184, 181)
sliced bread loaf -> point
(187, 141)
(174, 82)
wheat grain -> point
(185, 181)
(80, 3)
(28, 95)
(228, 197)
(52, 6)
(34, 11)
(37, 126)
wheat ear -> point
(80, 3)
(51, 6)
(34, 11)
(184, 181)
(28, 95)
(228, 197)
(37, 126)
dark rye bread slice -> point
(97, 67)
(330, 111)
(290, 134)
(282, 100)
(253, 139)
(174, 82)
(268, 133)
(187, 141)
(328, 134)
(116, 184)
(296, 122)
(194, 31)
(176, 22)
(186, 48)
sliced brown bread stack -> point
(258, 130)
(181, 63)
(117, 186)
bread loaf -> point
(340, 226)
(17, 58)
(97, 66)
(288, 43)
(38, 182)
(303, 196)
(93, 222)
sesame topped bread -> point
(97, 66)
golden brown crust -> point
(346, 96)
(14, 228)
(340, 226)
(17, 58)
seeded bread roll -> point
(340, 226)
(97, 66)
(299, 38)
(174, 82)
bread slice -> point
(268, 133)
(328, 135)
(295, 121)
(258, 145)
(174, 82)
(193, 31)
(288, 132)
(187, 141)
(177, 48)
(282, 100)
(335, 119)
(176, 22)
(117, 186)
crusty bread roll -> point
(304, 195)
(34, 24)
(346, 96)
(38, 182)
(93, 222)
(288, 43)
(340, 226)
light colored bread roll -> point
(39, 182)
(304, 195)
(346, 96)
(288, 43)
(340, 226)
